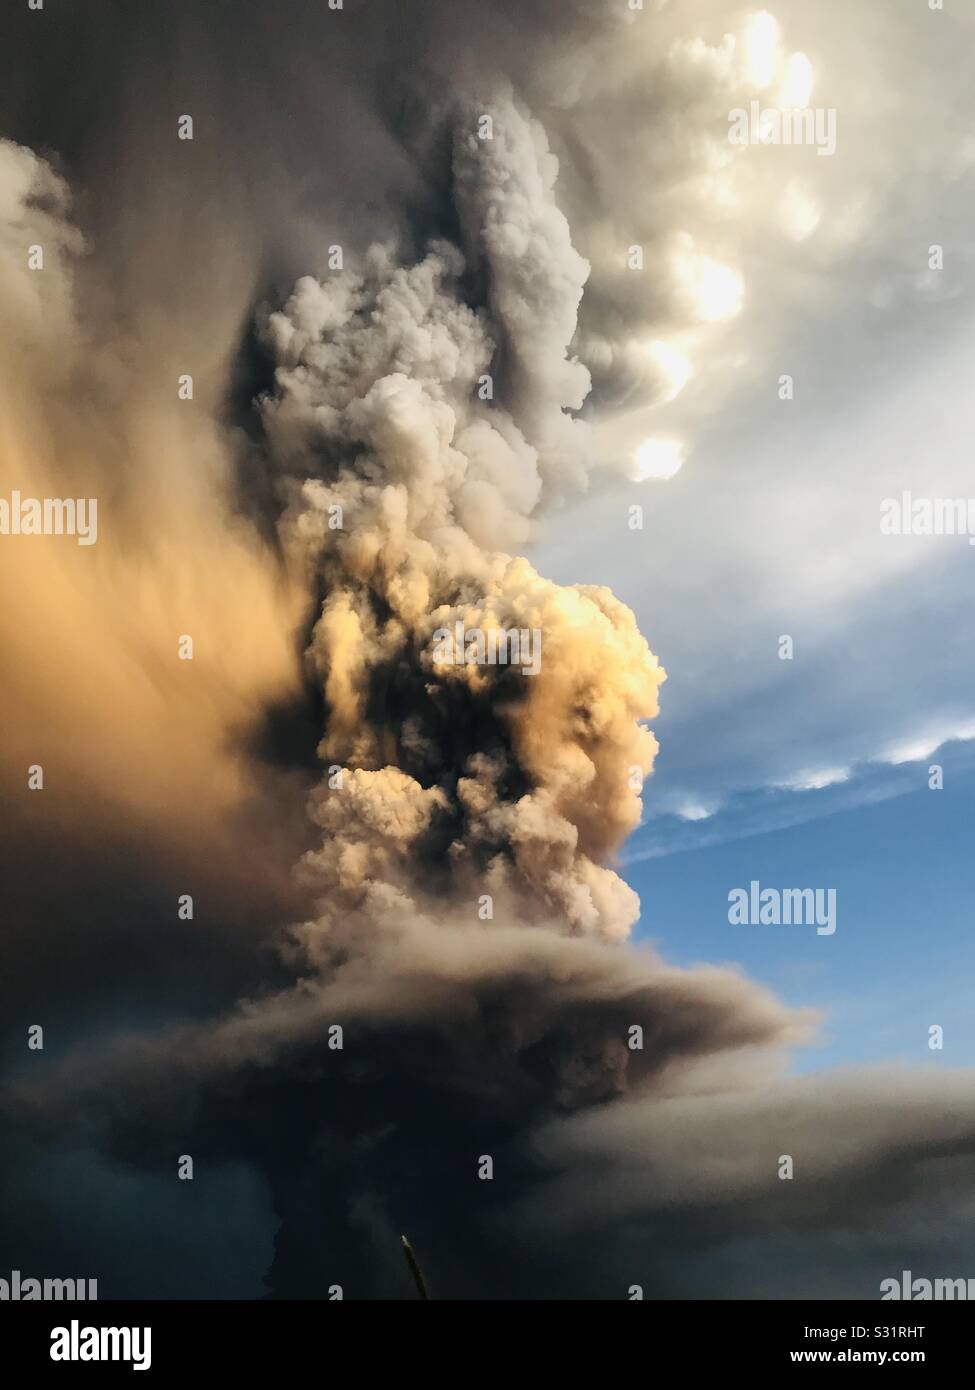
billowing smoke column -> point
(462, 977)
(466, 924)
(464, 778)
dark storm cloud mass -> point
(463, 1035)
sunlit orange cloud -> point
(95, 690)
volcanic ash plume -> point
(468, 809)
(466, 932)
(463, 779)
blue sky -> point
(902, 955)
(814, 772)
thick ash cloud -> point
(378, 377)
